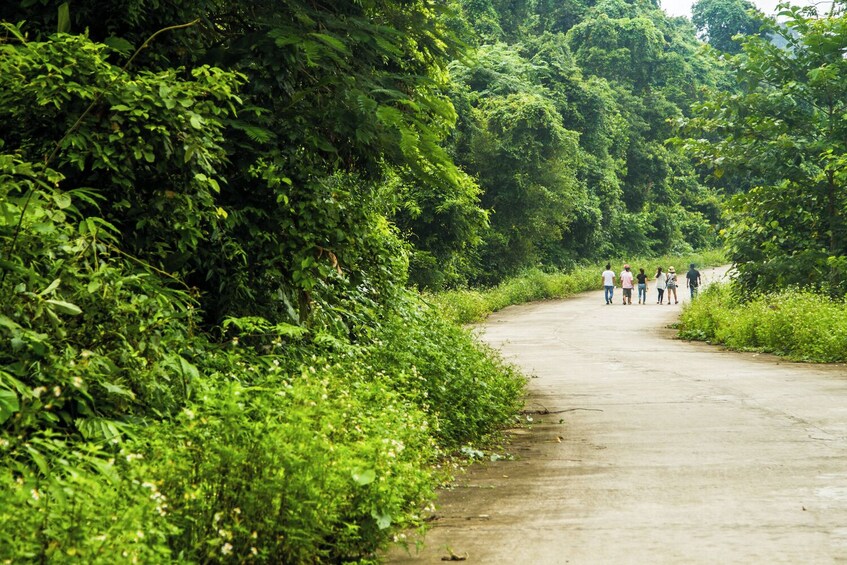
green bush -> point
(801, 325)
(128, 434)
(77, 502)
(135, 429)
(316, 465)
(463, 386)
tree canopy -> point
(782, 130)
(610, 78)
(720, 21)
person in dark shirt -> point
(642, 286)
(692, 278)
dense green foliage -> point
(802, 325)
(776, 142)
(335, 102)
(719, 21)
(207, 352)
(127, 434)
(563, 115)
(782, 134)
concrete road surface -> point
(651, 450)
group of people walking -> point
(664, 281)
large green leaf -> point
(9, 404)
(65, 307)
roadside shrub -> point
(127, 434)
(134, 429)
(65, 502)
(317, 465)
(465, 388)
(801, 325)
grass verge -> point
(800, 325)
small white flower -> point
(227, 548)
(139, 534)
(57, 390)
(77, 382)
(38, 391)
(35, 494)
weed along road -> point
(647, 449)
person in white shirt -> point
(671, 281)
(608, 283)
(661, 284)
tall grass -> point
(800, 325)
(466, 306)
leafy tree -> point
(719, 21)
(559, 16)
(784, 129)
(526, 159)
(512, 138)
(619, 75)
(338, 100)
(619, 49)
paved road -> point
(655, 450)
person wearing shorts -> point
(671, 282)
(626, 285)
